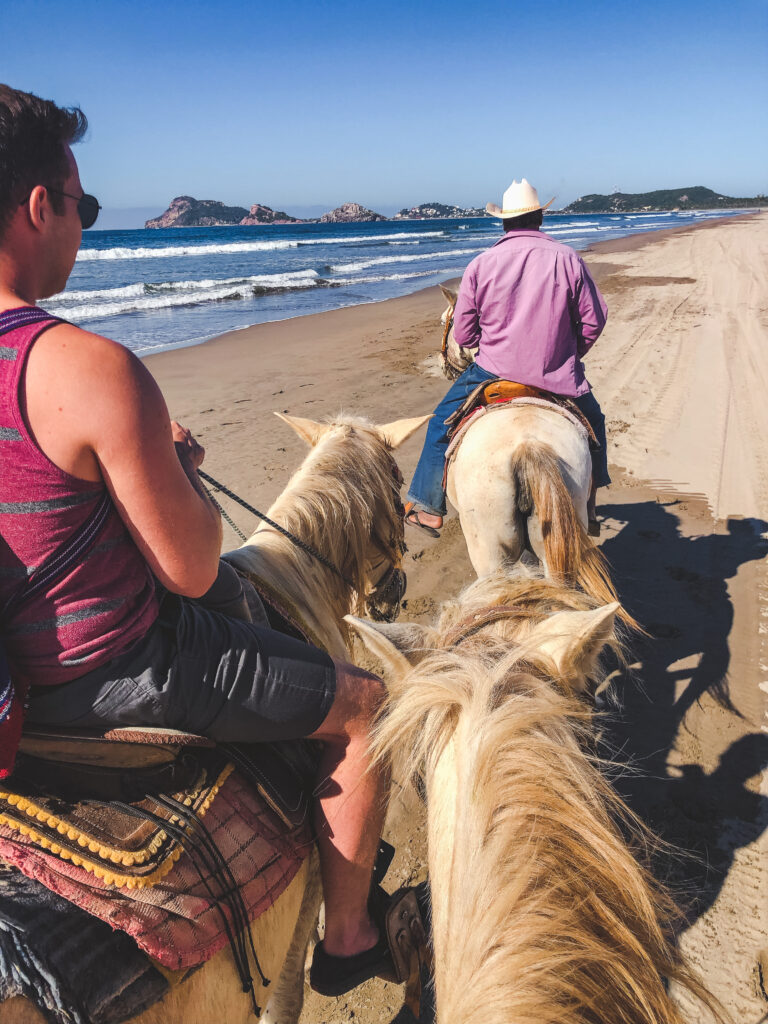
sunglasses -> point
(87, 206)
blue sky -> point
(309, 104)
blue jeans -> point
(426, 488)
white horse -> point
(520, 481)
(541, 912)
(344, 500)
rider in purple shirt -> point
(530, 309)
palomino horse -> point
(344, 500)
(520, 481)
(541, 911)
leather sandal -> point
(411, 517)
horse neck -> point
(540, 910)
(317, 593)
(311, 591)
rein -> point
(307, 548)
(446, 332)
(479, 620)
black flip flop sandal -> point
(411, 517)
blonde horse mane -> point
(550, 917)
(343, 500)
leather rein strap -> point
(485, 617)
(446, 332)
(275, 526)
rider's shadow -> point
(676, 586)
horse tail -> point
(570, 556)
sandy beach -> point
(681, 372)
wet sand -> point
(682, 373)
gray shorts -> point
(203, 672)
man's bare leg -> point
(350, 810)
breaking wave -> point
(135, 298)
(223, 248)
(346, 268)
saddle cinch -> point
(124, 803)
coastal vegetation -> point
(697, 197)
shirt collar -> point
(521, 232)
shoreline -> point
(626, 244)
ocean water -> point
(159, 289)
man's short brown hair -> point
(526, 220)
(33, 134)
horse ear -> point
(400, 430)
(307, 430)
(574, 640)
(399, 645)
(450, 294)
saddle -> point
(111, 802)
(501, 392)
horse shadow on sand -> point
(676, 587)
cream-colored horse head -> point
(455, 359)
(549, 626)
(540, 909)
(372, 482)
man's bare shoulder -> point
(90, 380)
(71, 344)
(78, 363)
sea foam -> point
(214, 249)
(346, 268)
(97, 303)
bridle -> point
(478, 620)
(390, 587)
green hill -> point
(694, 198)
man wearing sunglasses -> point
(79, 412)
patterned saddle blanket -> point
(161, 866)
(174, 843)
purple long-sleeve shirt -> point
(531, 308)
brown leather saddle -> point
(500, 392)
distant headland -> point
(186, 212)
(695, 198)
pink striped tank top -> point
(105, 603)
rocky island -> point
(438, 211)
(348, 213)
(186, 212)
(697, 197)
(259, 214)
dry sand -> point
(682, 374)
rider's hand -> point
(189, 451)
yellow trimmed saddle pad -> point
(130, 844)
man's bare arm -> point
(97, 413)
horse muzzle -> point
(383, 604)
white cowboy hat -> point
(519, 198)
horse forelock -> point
(344, 500)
